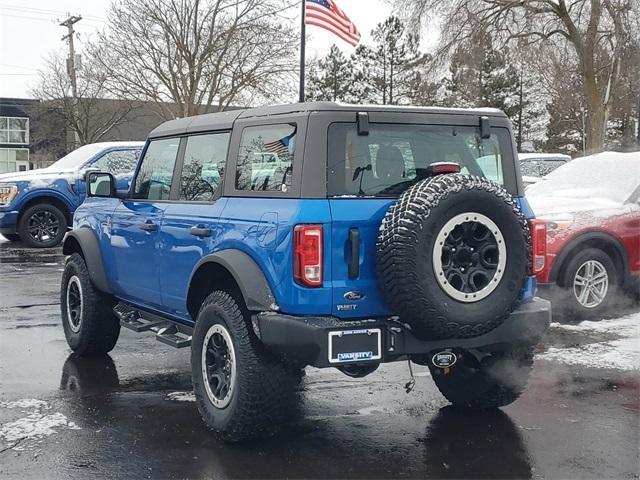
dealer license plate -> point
(359, 345)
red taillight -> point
(538, 245)
(307, 255)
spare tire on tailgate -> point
(453, 254)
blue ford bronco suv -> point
(317, 234)
(36, 206)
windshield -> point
(613, 176)
(78, 157)
(539, 168)
(392, 157)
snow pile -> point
(608, 175)
(622, 352)
(181, 397)
(37, 424)
(25, 404)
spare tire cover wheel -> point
(469, 257)
(453, 255)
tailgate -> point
(354, 228)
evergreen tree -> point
(566, 125)
(390, 68)
(481, 76)
(332, 79)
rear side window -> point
(392, 156)
(204, 160)
(118, 162)
(156, 170)
(265, 159)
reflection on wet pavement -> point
(131, 414)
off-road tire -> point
(98, 329)
(405, 247)
(42, 208)
(568, 303)
(12, 237)
(264, 386)
(495, 381)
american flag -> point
(326, 14)
(280, 146)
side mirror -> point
(100, 184)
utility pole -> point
(71, 63)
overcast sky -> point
(30, 31)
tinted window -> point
(154, 178)
(265, 160)
(392, 157)
(204, 160)
(118, 162)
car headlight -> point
(557, 223)
(7, 193)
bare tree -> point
(598, 30)
(191, 56)
(90, 115)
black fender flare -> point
(249, 277)
(600, 237)
(86, 239)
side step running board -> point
(167, 331)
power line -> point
(17, 66)
(41, 11)
(48, 20)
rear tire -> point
(242, 391)
(88, 321)
(589, 284)
(42, 226)
(495, 381)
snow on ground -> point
(181, 397)
(39, 422)
(616, 344)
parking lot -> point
(132, 415)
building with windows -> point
(33, 133)
(14, 135)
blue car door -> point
(190, 224)
(135, 229)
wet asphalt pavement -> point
(131, 414)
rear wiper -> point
(359, 172)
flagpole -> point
(302, 46)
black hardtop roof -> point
(224, 120)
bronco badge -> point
(444, 359)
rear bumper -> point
(306, 339)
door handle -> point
(148, 226)
(201, 231)
(354, 263)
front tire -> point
(494, 381)
(242, 391)
(88, 321)
(42, 226)
(589, 284)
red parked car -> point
(591, 207)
